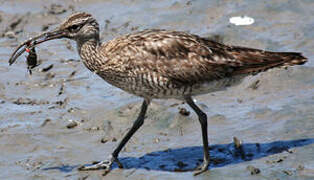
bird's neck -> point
(88, 51)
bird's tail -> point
(254, 61)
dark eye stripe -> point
(74, 28)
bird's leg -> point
(203, 120)
(114, 156)
(137, 124)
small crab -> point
(31, 59)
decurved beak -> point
(32, 42)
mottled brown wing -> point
(177, 56)
(184, 58)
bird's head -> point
(79, 27)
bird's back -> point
(163, 64)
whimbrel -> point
(161, 64)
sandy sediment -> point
(64, 116)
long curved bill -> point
(32, 42)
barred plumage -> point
(162, 64)
(172, 64)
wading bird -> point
(161, 64)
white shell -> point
(241, 20)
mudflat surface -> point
(272, 113)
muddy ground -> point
(64, 116)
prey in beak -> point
(31, 59)
(30, 44)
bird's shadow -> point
(188, 158)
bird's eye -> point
(74, 28)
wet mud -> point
(63, 116)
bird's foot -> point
(202, 168)
(106, 165)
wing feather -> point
(183, 58)
(177, 56)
